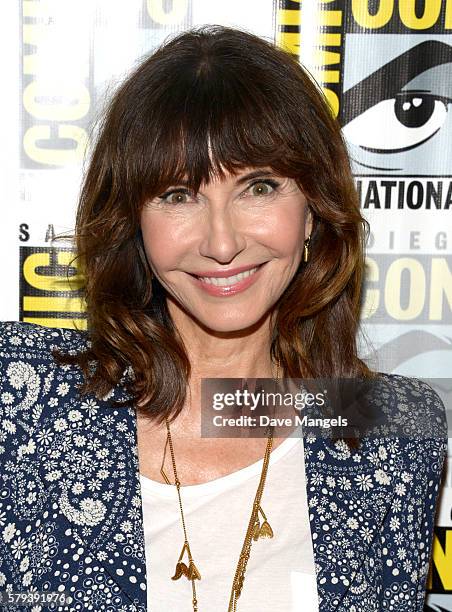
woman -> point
(220, 236)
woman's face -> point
(252, 224)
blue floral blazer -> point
(70, 497)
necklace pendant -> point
(266, 531)
(193, 572)
(181, 569)
(256, 531)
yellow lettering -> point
(48, 304)
(362, 16)
(440, 286)
(289, 17)
(56, 322)
(407, 11)
(49, 282)
(442, 559)
(325, 58)
(326, 76)
(32, 8)
(372, 297)
(175, 15)
(416, 289)
(448, 16)
(32, 35)
(289, 41)
(320, 57)
(56, 111)
(333, 100)
(328, 39)
(329, 18)
(52, 156)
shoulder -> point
(31, 341)
(413, 427)
(29, 375)
(32, 383)
(413, 404)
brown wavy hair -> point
(254, 105)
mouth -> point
(228, 285)
(227, 280)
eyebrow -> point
(254, 174)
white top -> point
(280, 574)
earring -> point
(306, 249)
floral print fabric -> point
(70, 497)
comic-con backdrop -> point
(385, 67)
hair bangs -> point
(214, 122)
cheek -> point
(160, 239)
(286, 231)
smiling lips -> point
(228, 280)
(220, 284)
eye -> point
(175, 196)
(263, 187)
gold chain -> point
(254, 531)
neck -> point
(225, 354)
(238, 354)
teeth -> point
(229, 280)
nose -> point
(223, 235)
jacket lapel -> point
(348, 500)
(84, 458)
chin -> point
(228, 328)
(231, 324)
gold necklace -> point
(255, 529)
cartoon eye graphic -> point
(388, 113)
(398, 124)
